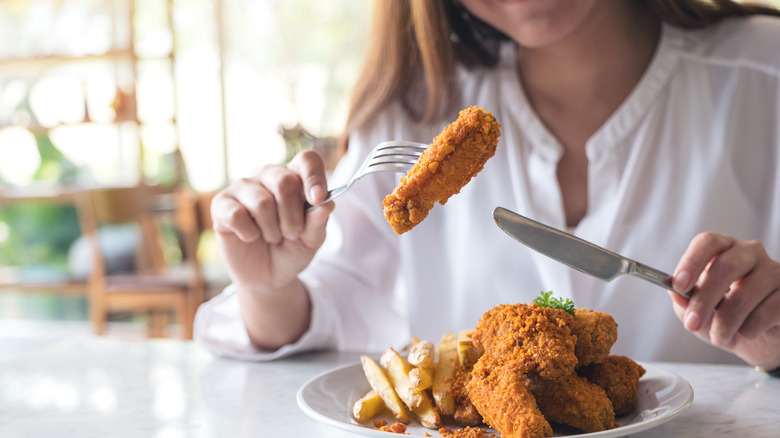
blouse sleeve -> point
(221, 330)
(353, 281)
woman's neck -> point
(576, 84)
(594, 68)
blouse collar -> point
(627, 116)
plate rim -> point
(610, 433)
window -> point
(113, 92)
(117, 92)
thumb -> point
(316, 221)
(309, 165)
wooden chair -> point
(215, 276)
(155, 286)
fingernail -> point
(316, 193)
(692, 322)
(681, 281)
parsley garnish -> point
(546, 300)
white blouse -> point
(695, 147)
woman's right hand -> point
(264, 237)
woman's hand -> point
(263, 235)
(266, 240)
(736, 303)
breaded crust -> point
(450, 161)
(619, 377)
(573, 400)
(465, 411)
(538, 338)
(596, 333)
(499, 393)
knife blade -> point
(577, 253)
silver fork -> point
(389, 156)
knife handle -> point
(656, 277)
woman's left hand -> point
(736, 302)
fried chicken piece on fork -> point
(450, 161)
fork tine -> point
(384, 149)
(391, 159)
(400, 149)
(390, 156)
(389, 167)
(403, 152)
(397, 156)
(398, 161)
(402, 145)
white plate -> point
(329, 397)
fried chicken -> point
(596, 334)
(465, 412)
(518, 339)
(538, 338)
(528, 375)
(452, 159)
(499, 393)
(619, 377)
(574, 401)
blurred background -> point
(146, 108)
(173, 96)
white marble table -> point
(169, 389)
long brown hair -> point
(415, 45)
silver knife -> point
(577, 253)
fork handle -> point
(332, 194)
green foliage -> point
(546, 300)
(41, 233)
(38, 234)
(55, 167)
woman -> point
(647, 127)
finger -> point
(697, 256)
(316, 221)
(309, 165)
(680, 303)
(694, 270)
(746, 293)
(745, 296)
(229, 216)
(722, 277)
(286, 188)
(766, 314)
(261, 205)
(764, 317)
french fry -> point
(468, 353)
(384, 359)
(368, 407)
(422, 354)
(420, 403)
(397, 371)
(427, 414)
(421, 378)
(445, 373)
(381, 384)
